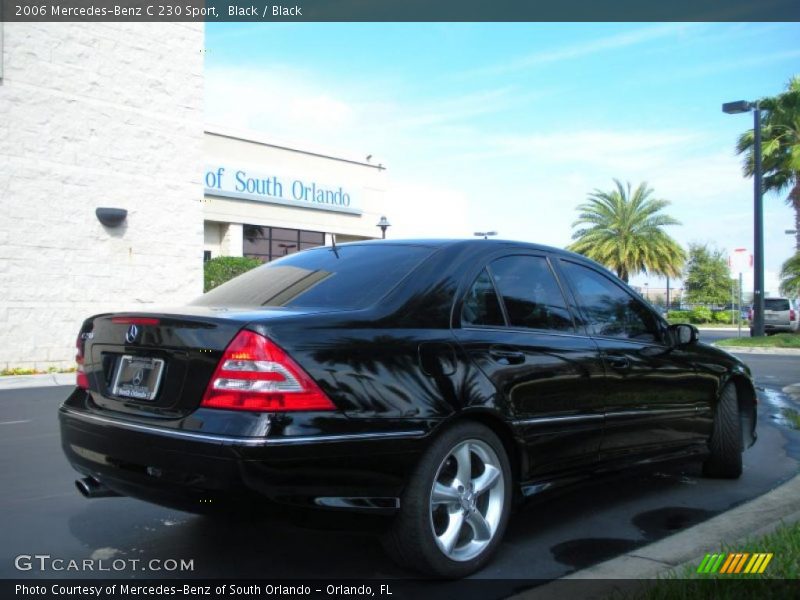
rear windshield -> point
(348, 277)
(776, 304)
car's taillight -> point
(81, 380)
(792, 316)
(255, 374)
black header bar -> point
(401, 10)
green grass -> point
(792, 416)
(784, 543)
(23, 371)
(719, 325)
(779, 340)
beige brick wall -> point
(96, 114)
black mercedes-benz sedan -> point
(436, 382)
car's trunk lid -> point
(159, 363)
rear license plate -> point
(137, 377)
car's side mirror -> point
(684, 334)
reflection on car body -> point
(430, 381)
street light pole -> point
(731, 108)
(758, 209)
(384, 225)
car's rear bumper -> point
(190, 469)
(782, 327)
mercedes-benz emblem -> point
(138, 378)
(130, 336)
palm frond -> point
(622, 229)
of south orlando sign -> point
(303, 192)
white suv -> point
(779, 316)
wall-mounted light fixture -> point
(111, 217)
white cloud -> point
(605, 149)
(570, 52)
(422, 210)
(452, 175)
(713, 68)
(280, 102)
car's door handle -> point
(506, 356)
(618, 362)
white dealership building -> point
(113, 190)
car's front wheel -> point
(455, 508)
(725, 445)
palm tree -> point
(624, 231)
(780, 146)
(790, 276)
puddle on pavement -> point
(590, 551)
(655, 524)
(782, 410)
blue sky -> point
(509, 126)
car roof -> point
(473, 244)
(467, 242)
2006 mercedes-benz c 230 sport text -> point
(438, 381)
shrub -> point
(700, 314)
(678, 316)
(723, 316)
(224, 268)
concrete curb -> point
(757, 350)
(12, 382)
(793, 390)
(668, 556)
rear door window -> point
(481, 305)
(530, 293)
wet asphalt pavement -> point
(43, 514)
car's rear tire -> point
(455, 508)
(725, 445)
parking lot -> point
(44, 514)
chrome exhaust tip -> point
(89, 487)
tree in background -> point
(707, 278)
(780, 147)
(790, 277)
(624, 231)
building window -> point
(206, 255)
(269, 243)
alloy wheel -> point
(466, 500)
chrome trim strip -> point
(661, 412)
(621, 414)
(369, 503)
(560, 419)
(345, 437)
(240, 441)
(173, 433)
